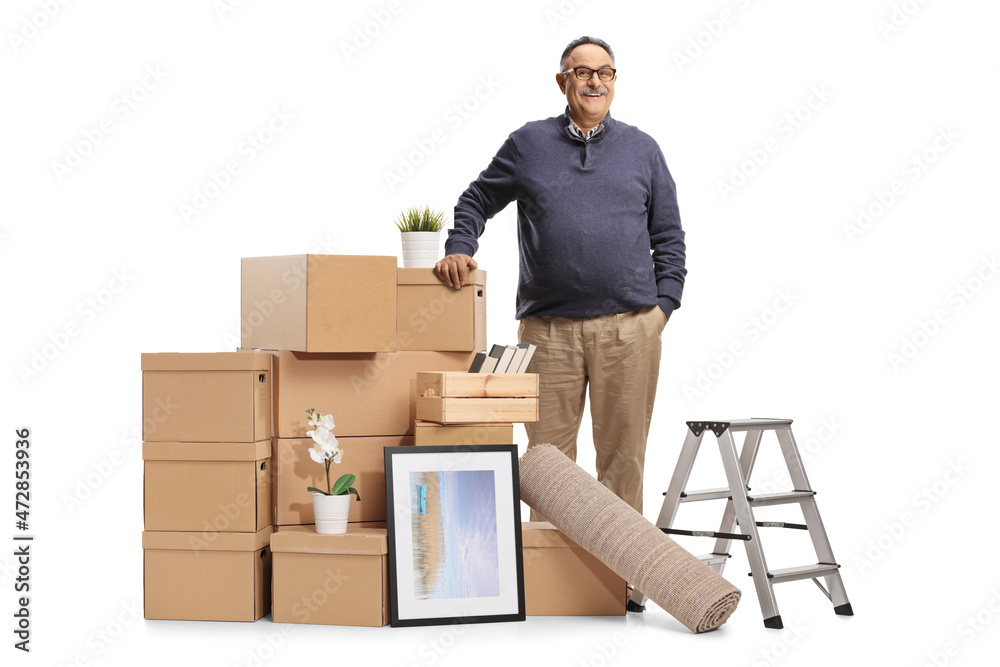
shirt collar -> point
(575, 130)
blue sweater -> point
(597, 221)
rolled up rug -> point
(591, 515)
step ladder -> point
(739, 511)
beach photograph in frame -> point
(454, 535)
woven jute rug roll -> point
(599, 521)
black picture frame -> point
(431, 559)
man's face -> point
(588, 101)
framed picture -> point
(454, 526)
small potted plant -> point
(421, 231)
(332, 506)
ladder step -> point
(758, 423)
(802, 572)
(785, 498)
(705, 494)
(713, 559)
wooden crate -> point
(468, 398)
(455, 410)
(477, 385)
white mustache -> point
(589, 90)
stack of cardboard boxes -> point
(347, 335)
(207, 506)
(350, 336)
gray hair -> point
(580, 41)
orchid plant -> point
(326, 450)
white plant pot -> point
(420, 249)
(331, 513)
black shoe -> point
(632, 605)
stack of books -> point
(504, 359)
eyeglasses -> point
(587, 73)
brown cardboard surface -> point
(561, 579)
(429, 433)
(331, 579)
(368, 394)
(359, 539)
(354, 526)
(319, 303)
(205, 361)
(206, 397)
(295, 471)
(207, 486)
(273, 292)
(205, 541)
(206, 451)
(207, 576)
(432, 316)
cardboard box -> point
(469, 410)
(429, 433)
(561, 579)
(295, 472)
(194, 486)
(477, 385)
(331, 579)
(207, 576)
(432, 316)
(207, 397)
(319, 303)
(368, 394)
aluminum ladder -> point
(739, 511)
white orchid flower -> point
(316, 419)
(318, 454)
(322, 436)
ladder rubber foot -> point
(844, 610)
(633, 606)
(774, 623)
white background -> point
(894, 75)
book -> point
(492, 358)
(477, 362)
(489, 363)
(515, 361)
(528, 354)
(503, 365)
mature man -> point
(594, 197)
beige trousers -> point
(618, 356)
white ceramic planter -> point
(331, 513)
(420, 249)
